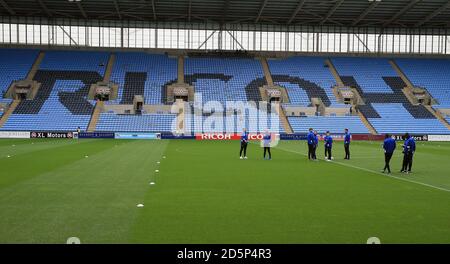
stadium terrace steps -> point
(438, 116)
(180, 68)
(283, 119)
(334, 72)
(401, 73)
(266, 70)
(95, 116)
(366, 122)
(109, 67)
(180, 121)
(36, 66)
(8, 112)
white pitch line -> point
(376, 172)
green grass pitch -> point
(203, 193)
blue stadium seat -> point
(158, 69)
(136, 123)
(309, 68)
(334, 124)
(368, 72)
(431, 74)
(254, 121)
(147, 74)
(395, 119)
(46, 111)
(15, 65)
(239, 71)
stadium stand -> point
(254, 121)
(431, 74)
(308, 69)
(222, 79)
(136, 123)
(15, 65)
(144, 74)
(75, 61)
(61, 101)
(52, 116)
(378, 84)
(367, 72)
(402, 121)
(334, 124)
(297, 96)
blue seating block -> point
(431, 74)
(335, 124)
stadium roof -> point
(373, 13)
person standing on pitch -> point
(347, 139)
(244, 143)
(266, 144)
(311, 142)
(328, 145)
(316, 143)
(389, 146)
(409, 147)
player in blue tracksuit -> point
(409, 147)
(311, 142)
(389, 146)
(316, 143)
(244, 143)
(347, 139)
(267, 138)
(328, 145)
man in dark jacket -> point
(328, 145)
(310, 139)
(347, 139)
(409, 147)
(244, 143)
(389, 146)
(316, 143)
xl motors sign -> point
(220, 136)
(68, 135)
(14, 134)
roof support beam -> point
(225, 10)
(6, 6)
(401, 12)
(154, 10)
(68, 35)
(44, 7)
(299, 7)
(206, 40)
(432, 15)
(365, 13)
(261, 9)
(189, 10)
(235, 40)
(116, 6)
(83, 13)
(332, 10)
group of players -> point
(313, 142)
(389, 146)
(409, 148)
